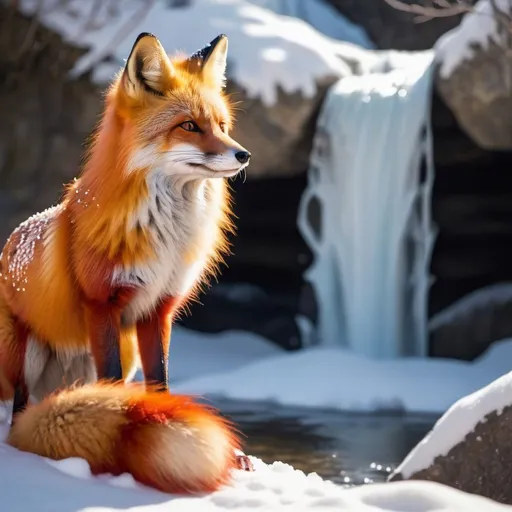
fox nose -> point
(243, 156)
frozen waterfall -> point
(366, 211)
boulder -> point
(475, 77)
(279, 135)
(469, 448)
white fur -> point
(47, 370)
(177, 162)
(198, 453)
(183, 226)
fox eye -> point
(223, 126)
(190, 126)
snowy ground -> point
(243, 365)
(30, 483)
(246, 367)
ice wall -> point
(366, 210)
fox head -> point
(173, 113)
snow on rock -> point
(458, 421)
(322, 16)
(267, 50)
(477, 28)
(28, 483)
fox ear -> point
(148, 68)
(211, 61)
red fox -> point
(90, 287)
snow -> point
(34, 483)
(194, 354)
(477, 29)
(322, 16)
(457, 422)
(266, 50)
(325, 377)
(371, 262)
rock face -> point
(480, 462)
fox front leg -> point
(104, 328)
(154, 335)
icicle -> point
(374, 240)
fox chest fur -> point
(180, 220)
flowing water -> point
(349, 449)
(365, 213)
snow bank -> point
(457, 422)
(33, 483)
(267, 50)
(477, 28)
(326, 377)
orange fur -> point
(98, 279)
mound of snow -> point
(33, 483)
(477, 29)
(325, 377)
(267, 50)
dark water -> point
(343, 447)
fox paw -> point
(244, 463)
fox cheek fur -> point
(91, 286)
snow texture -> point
(31, 483)
(266, 50)
(457, 422)
(476, 30)
(372, 250)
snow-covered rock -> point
(475, 75)
(470, 447)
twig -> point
(445, 9)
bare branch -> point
(444, 8)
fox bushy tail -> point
(166, 441)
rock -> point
(472, 210)
(279, 136)
(475, 79)
(390, 28)
(466, 329)
(45, 118)
(469, 448)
